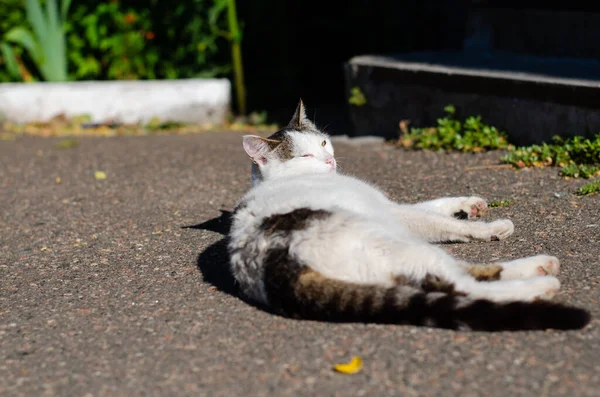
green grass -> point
(469, 135)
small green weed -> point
(578, 156)
(500, 203)
(580, 171)
(471, 135)
(357, 98)
(590, 188)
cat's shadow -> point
(213, 262)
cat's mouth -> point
(332, 164)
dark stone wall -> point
(298, 49)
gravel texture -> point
(104, 292)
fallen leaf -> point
(100, 175)
(350, 368)
(57, 179)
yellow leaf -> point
(351, 368)
(58, 179)
(99, 175)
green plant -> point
(580, 171)
(110, 42)
(578, 156)
(500, 203)
(189, 36)
(11, 65)
(129, 39)
(46, 45)
(357, 98)
(234, 35)
(590, 188)
(156, 39)
(472, 135)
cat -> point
(308, 242)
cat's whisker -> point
(324, 128)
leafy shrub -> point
(13, 15)
(107, 42)
(129, 39)
(156, 40)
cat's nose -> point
(330, 161)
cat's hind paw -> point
(539, 265)
(545, 288)
(471, 208)
(533, 289)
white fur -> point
(303, 144)
(370, 239)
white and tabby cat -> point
(314, 244)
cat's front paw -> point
(500, 229)
(471, 208)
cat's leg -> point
(438, 228)
(459, 207)
(529, 289)
(366, 251)
(534, 266)
(439, 272)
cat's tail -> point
(298, 291)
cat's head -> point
(299, 148)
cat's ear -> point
(258, 147)
(299, 120)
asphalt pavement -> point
(118, 286)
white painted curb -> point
(186, 100)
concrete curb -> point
(187, 100)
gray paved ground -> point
(103, 293)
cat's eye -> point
(308, 155)
(323, 143)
